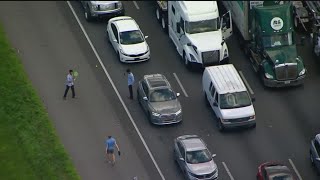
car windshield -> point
(201, 26)
(280, 177)
(131, 37)
(277, 40)
(160, 95)
(234, 100)
(200, 156)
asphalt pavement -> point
(287, 118)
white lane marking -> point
(180, 84)
(136, 4)
(295, 169)
(246, 82)
(117, 92)
(228, 171)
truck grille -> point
(286, 72)
(210, 57)
(107, 7)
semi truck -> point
(197, 30)
(268, 39)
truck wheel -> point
(87, 14)
(158, 14)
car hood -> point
(166, 107)
(286, 54)
(238, 112)
(135, 48)
(206, 41)
(203, 168)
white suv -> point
(127, 39)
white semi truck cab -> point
(198, 32)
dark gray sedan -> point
(158, 100)
(194, 158)
(315, 152)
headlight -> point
(95, 7)
(155, 114)
(302, 72)
(224, 120)
(178, 112)
(267, 75)
(122, 52)
(252, 117)
(192, 58)
(119, 5)
(225, 53)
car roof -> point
(226, 79)
(125, 23)
(277, 169)
(192, 143)
(156, 81)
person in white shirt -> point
(69, 84)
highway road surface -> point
(51, 41)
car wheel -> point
(220, 125)
(87, 14)
(311, 158)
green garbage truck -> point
(268, 39)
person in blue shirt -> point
(110, 145)
(130, 82)
(69, 84)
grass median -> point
(29, 146)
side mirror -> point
(115, 41)
(318, 159)
(253, 99)
(222, 42)
(145, 98)
(215, 104)
(178, 94)
(181, 159)
(146, 37)
(189, 44)
(214, 155)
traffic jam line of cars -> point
(199, 34)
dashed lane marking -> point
(228, 171)
(180, 84)
(246, 82)
(117, 92)
(295, 169)
(136, 4)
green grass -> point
(29, 146)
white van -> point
(227, 95)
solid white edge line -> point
(180, 84)
(295, 169)
(117, 92)
(246, 82)
(136, 4)
(228, 171)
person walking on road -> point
(130, 82)
(110, 144)
(69, 84)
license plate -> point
(287, 82)
(136, 58)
